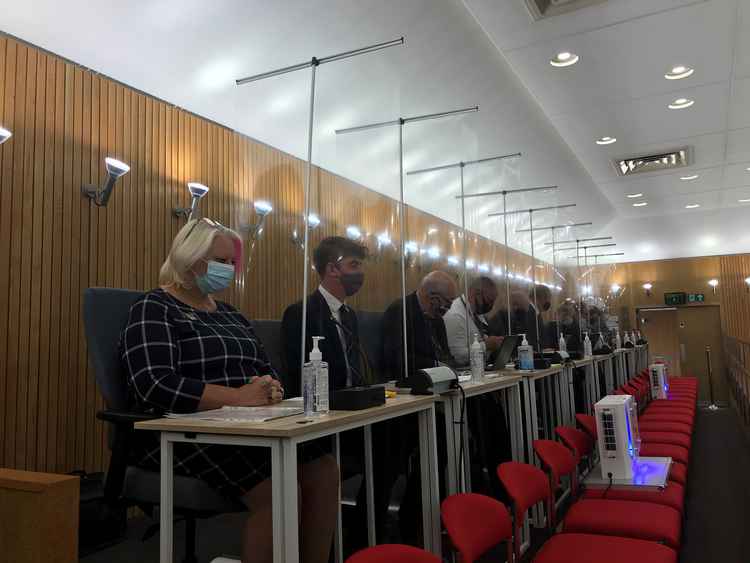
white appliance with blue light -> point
(657, 376)
(618, 437)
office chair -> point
(105, 313)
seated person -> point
(527, 315)
(567, 321)
(471, 311)
(339, 263)
(184, 351)
(427, 341)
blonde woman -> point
(184, 351)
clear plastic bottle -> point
(315, 382)
(587, 352)
(525, 355)
(562, 346)
(477, 359)
(618, 340)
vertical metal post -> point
(308, 175)
(580, 300)
(466, 273)
(507, 272)
(712, 406)
(554, 271)
(533, 282)
(402, 226)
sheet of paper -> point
(290, 407)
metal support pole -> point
(464, 254)
(712, 406)
(533, 282)
(554, 269)
(308, 175)
(580, 301)
(402, 223)
(507, 272)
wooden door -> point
(659, 326)
(700, 327)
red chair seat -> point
(585, 548)
(678, 473)
(665, 426)
(677, 453)
(393, 553)
(588, 423)
(666, 416)
(672, 495)
(629, 519)
(659, 437)
(475, 523)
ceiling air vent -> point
(653, 162)
(540, 9)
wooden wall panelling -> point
(5, 162)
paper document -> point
(290, 407)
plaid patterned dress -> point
(170, 351)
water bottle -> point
(562, 346)
(477, 359)
(618, 340)
(525, 355)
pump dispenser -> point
(315, 382)
(587, 352)
(525, 355)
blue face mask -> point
(217, 278)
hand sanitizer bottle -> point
(562, 346)
(618, 340)
(525, 355)
(477, 359)
(315, 382)
(587, 346)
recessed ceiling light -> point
(606, 141)
(633, 196)
(747, 169)
(692, 205)
(691, 177)
(679, 72)
(746, 200)
(681, 103)
(640, 204)
(564, 58)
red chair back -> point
(393, 553)
(581, 443)
(588, 423)
(476, 523)
(559, 460)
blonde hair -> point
(192, 244)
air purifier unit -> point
(657, 375)
(618, 437)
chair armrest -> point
(124, 417)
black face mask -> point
(352, 282)
(546, 306)
(439, 309)
(482, 307)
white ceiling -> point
(618, 89)
(189, 52)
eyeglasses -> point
(209, 222)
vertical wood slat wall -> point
(54, 243)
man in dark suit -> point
(526, 316)
(427, 341)
(340, 266)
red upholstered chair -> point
(393, 553)
(559, 461)
(585, 548)
(665, 426)
(666, 416)
(526, 485)
(576, 440)
(588, 423)
(661, 437)
(678, 473)
(476, 523)
(672, 495)
(677, 453)
(626, 518)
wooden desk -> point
(282, 436)
(458, 479)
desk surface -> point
(583, 362)
(291, 426)
(487, 385)
(603, 357)
(534, 374)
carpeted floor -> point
(717, 528)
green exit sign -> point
(696, 298)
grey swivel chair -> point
(268, 332)
(105, 313)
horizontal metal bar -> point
(501, 213)
(311, 62)
(407, 120)
(588, 223)
(598, 255)
(579, 240)
(589, 246)
(463, 163)
(507, 192)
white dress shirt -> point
(335, 305)
(455, 326)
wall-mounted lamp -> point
(314, 222)
(615, 288)
(262, 210)
(383, 240)
(647, 286)
(713, 282)
(353, 233)
(747, 284)
(433, 252)
(100, 196)
(197, 191)
(4, 135)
